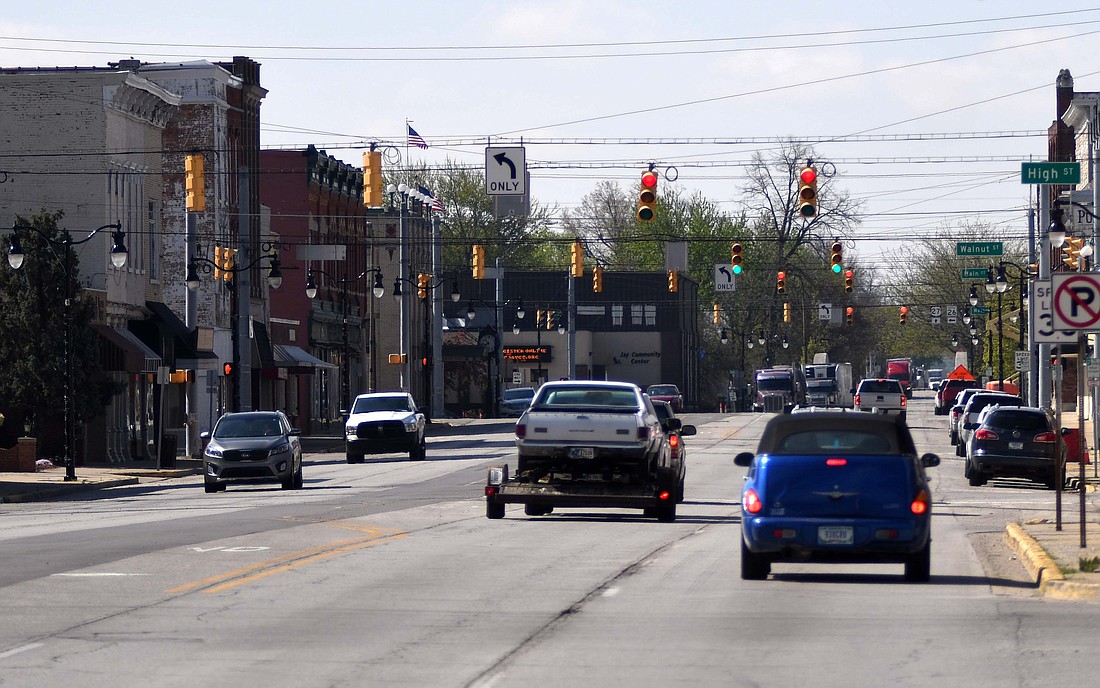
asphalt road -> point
(389, 574)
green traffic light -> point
(737, 269)
(836, 268)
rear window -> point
(879, 387)
(599, 397)
(1020, 420)
(978, 402)
(837, 442)
(664, 390)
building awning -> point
(184, 338)
(290, 356)
(123, 351)
(261, 346)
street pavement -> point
(1053, 557)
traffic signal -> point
(372, 179)
(807, 191)
(717, 314)
(647, 196)
(422, 281)
(538, 318)
(781, 283)
(786, 312)
(479, 261)
(228, 368)
(194, 166)
(848, 313)
(576, 260)
(903, 314)
(550, 317)
(229, 263)
(597, 279)
(673, 280)
(836, 257)
(849, 279)
(736, 258)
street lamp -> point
(424, 288)
(345, 354)
(973, 295)
(118, 260)
(1057, 230)
(274, 280)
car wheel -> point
(680, 492)
(753, 566)
(418, 452)
(960, 450)
(967, 470)
(211, 486)
(954, 437)
(299, 479)
(354, 457)
(902, 416)
(977, 479)
(918, 567)
(666, 512)
(493, 510)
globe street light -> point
(118, 260)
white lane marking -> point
(610, 592)
(97, 575)
(17, 650)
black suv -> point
(1015, 442)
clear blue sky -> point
(356, 73)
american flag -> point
(436, 204)
(415, 138)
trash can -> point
(167, 451)
(1073, 446)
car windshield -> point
(773, 384)
(590, 396)
(518, 394)
(248, 426)
(663, 391)
(836, 441)
(369, 404)
(1018, 420)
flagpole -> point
(407, 120)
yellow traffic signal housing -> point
(194, 167)
(479, 261)
(786, 312)
(538, 319)
(736, 257)
(372, 179)
(647, 196)
(218, 251)
(229, 263)
(576, 261)
(903, 314)
(181, 376)
(848, 313)
(397, 359)
(781, 283)
(550, 316)
(422, 281)
(717, 314)
(673, 280)
(849, 281)
(807, 191)
(836, 257)
(597, 279)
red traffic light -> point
(649, 179)
(228, 368)
(808, 175)
(849, 310)
(904, 310)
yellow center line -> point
(287, 562)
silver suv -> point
(255, 445)
(880, 396)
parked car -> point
(836, 487)
(955, 413)
(945, 395)
(880, 395)
(676, 431)
(385, 422)
(252, 446)
(975, 403)
(515, 401)
(1019, 442)
(669, 393)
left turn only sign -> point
(1076, 301)
(506, 171)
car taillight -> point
(674, 440)
(903, 401)
(920, 503)
(751, 503)
(521, 430)
(836, 461)
(983, 434)
(855, 400)
(1046, 437)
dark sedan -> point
(836, 487)
(255, 445)
(1016, 442)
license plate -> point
(1015, 445)
(834, 535)
(582, 453)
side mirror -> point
(204, 435)
(1066, 431)
(687, 430)
(930, 460)
(295, 432)
(744, 459)
(969, 426)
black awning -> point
(183, 338)
(123, 351)
(261, 346)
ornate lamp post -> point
(118, 260)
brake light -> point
(903, 401)
(751, 503)
(1046, 437)
(664, 495)
(674, 441)
(983, 434)
(920, 505)
(836, 461)
(855, 400)
(521, 430)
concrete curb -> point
(49, 493)
(1046, 572)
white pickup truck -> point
(880, 395)
(588, 443)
